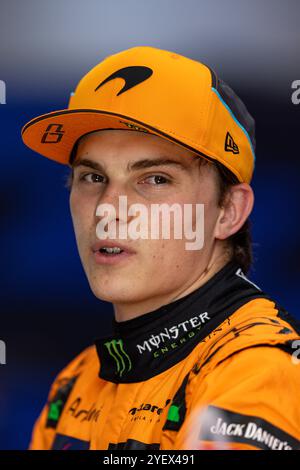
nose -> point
(113, 205)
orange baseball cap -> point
(157, 91)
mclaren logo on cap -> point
(132, 76)
(230, 145)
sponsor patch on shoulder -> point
(222, 425)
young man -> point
(199, 356)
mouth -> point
(111, 251)
(106, 252)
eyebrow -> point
(137, 165)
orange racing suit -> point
(216, 369)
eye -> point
(92, 178)
(156, 180)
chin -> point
(113, 291)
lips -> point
(104, 258)
(98, 246)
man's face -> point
(147, 170)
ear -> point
(235, 211)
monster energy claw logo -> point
(116, 350)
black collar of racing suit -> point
(145, 346)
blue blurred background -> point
(48, 314)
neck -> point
(127, 311)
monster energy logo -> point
(116, 350)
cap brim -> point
(54, 134)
